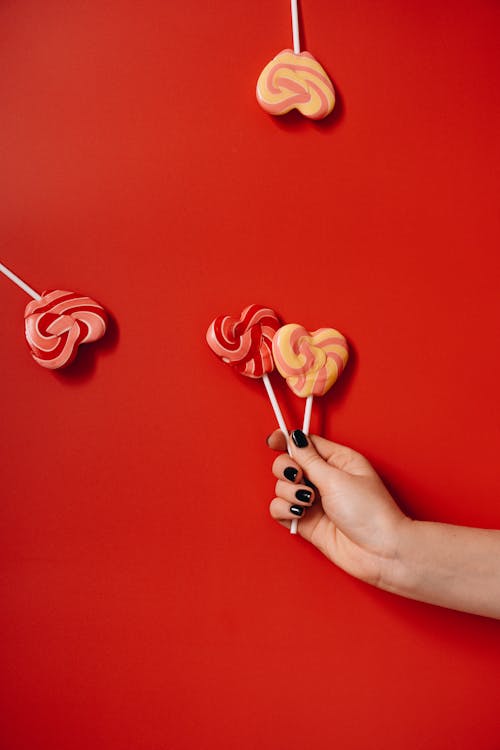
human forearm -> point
(451, 566)
(357, 524)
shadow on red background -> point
(83, 367)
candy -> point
(298, 81)
(58, 322)
(310, 362)
(245, 343)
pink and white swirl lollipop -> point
(57, 322)
(245, 343)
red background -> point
(148, 600)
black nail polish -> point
(296, 510)
(299, 438)
(303, 495)
(291, 473)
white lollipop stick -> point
(20, 283)
(307, 415)
(283, 428)
(295, 27)
(305, 429)
(276, 407)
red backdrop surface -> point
(148, 600)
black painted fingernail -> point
(303, 495)
(290, 473)
(296, 510)
(299, 438)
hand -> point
(350, 516)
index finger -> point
(337, 455)
(277, 441)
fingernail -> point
(290, 473)
(303, 495)
(299, 438)
(296, 510)
(267, 439)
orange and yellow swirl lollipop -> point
(310, 362)
(295, 80)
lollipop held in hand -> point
(310, 362)
(245, 343)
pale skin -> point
(354, 521)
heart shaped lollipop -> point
(295, 81)
(58, 323)
(245, 343)
(310, 362)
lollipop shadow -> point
(84, 365)
(339, 392)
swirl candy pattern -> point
(310, 362)
(297, 81)
(58, 323)
(245, 343)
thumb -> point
(309, 460)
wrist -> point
(397, 572)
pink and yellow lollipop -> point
(295, 80)
(310, 362)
